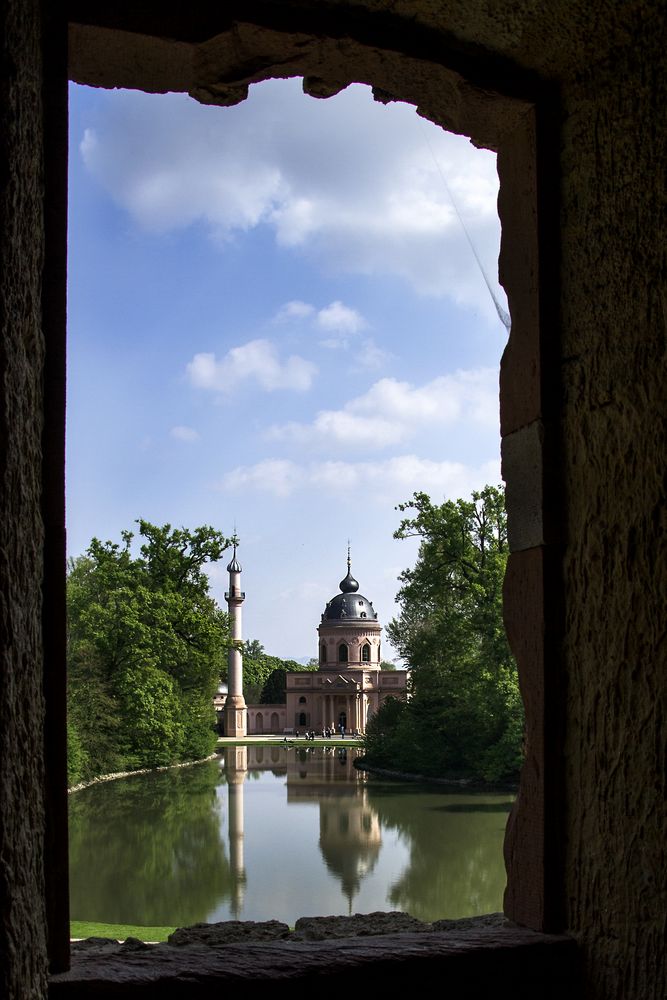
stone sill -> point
(467, 965)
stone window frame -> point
(501, 108)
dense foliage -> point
(464, 716)
(264, 675)
(147, 645)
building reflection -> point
(350, 833)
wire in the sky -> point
(503, 316)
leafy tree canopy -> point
(264, 675)
(464, 715)
(146, 648)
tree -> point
(264, 675)
(274, 691)
(464, 716)
(146, 648)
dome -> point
(349, 603)
(234, 566)
(352, 605)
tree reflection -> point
(455, 844)
(149, 849)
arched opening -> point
(323, 653)
(343, 657)
(366, 653)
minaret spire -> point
(235, 712)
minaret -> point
(235, 713)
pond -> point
(280, 832)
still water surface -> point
(281, 832)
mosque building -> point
(349, 685)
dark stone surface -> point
(471, 923)
(229, 931)
(602, 283)
(358, 925)
(471, 964)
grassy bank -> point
(119, 932)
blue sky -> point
(276, 322)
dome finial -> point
(234, 565)
(349, 585)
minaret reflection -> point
(350, 833)
(236, 768)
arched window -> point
(323, 653)
(342, 653)
(302, 700)
(366, 653)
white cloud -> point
(390, 481)
(187, 434)
(343, 324)
(294, 310)
(258, 361)
(369, 355)
(391, 412)
(274, 475)
(339, 318)
(361, 186)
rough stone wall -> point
(614, 351)
(607, 59)
(22, 933)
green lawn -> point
(119, 932)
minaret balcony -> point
(235, 594)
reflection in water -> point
(455, 867)
(281, 832)
(148, 849)
(237, 770)
(350, 836)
